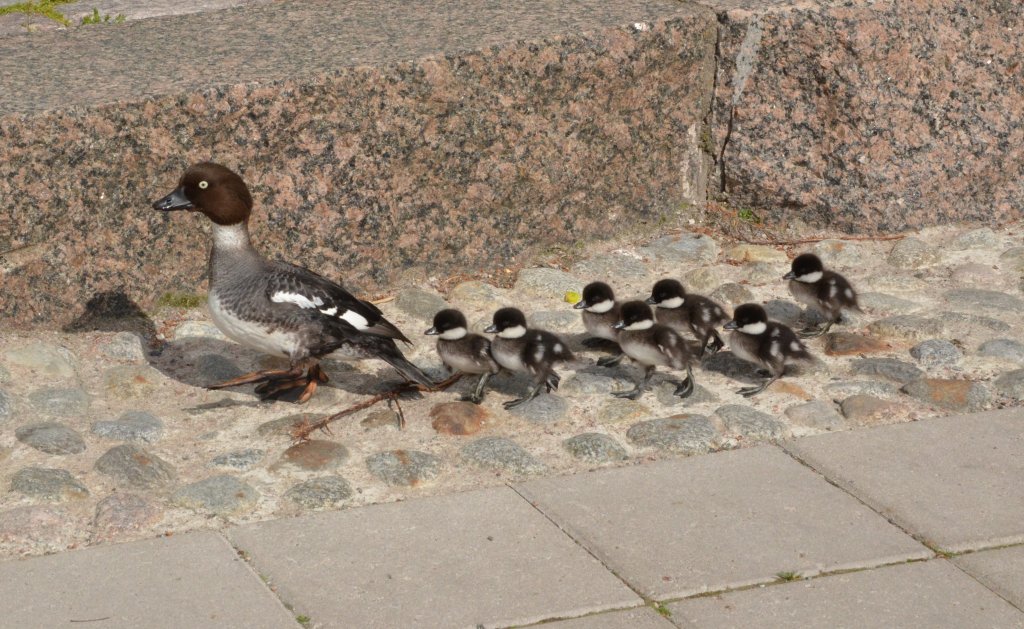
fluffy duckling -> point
(600, 314)
(768, 344)
(681, 310)
(824, 291)
(463, 352)
(520, 349)
(651, 344)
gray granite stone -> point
(908, 327)
(845, 388)
(381, 418)
(728, 364)
(702, 279)
(122, 512)
(313, 455)
(911, 253)
(6, 406)
(751, 253)
(973, 274)
(665, 393)
(46, 483)
(476, 293)
(881, 302)
(500, 453)
(991, 300)
(981, 238)
(1003, 348)
(1011, 384)
(548, 283)
(126, 346)
(761, 273)
(131, 381)
(890, 368)
(732, 294)
(59, 402)
(131, 426)
(405, 468)
(419, 303)
(32, 524)
(1013, 259)
(690, 249)
(51, 437)
(544, 408)
(750, 423)
(595, 447)
(214, 368)
(51, 361)
(867, 409)
(320, 492)
(816, 414)
(684, 434)
(4, 374)
(132, 465)
(238, 459)
(558, 321)
(618, 411)
(612, 268)
(936, 353)
(844, 253)
(221, 494)
(785, 311)
(282, 426)
(962, 323)
(595, 382)
(956, 395)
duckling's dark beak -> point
(789, 276)
(580, 305)
(650, 301)
(618, 325)
(432, 332)
(732, 325)
(491, 329)
(174, 201)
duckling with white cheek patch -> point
(768, 344)
(824, 291)
(651, 344)
(680, 310)
(518, 348)
(600, 314)
(463, 352)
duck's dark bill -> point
(174, 201)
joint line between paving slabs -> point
(648, 601)
(982, 583)
(264, 580)
(937, 552)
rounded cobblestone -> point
(815, 415)
(596, 448)
(313, 455)
(890, 368)
(543, 409)
(687, 249)
(955, 395)
(1011, 384)
(131, 426)
(911, 253)
(1003, 348)
(500, 453)
(682, 434)
(46, 483)
(238, 459)
(405, 468)
(544, 282)
(321, 492)
(123, 513)
(936, 353)
(136, 467)
(51, 438)
(6, 406)
(750, 423)
(420, 303)
(60, 402)
(50, 361)
(221, 494)
(126, 346)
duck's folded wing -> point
(301, 288)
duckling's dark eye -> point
(203, 185)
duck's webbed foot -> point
(273, 388)
(610, 361)
(534, 392)
(752, 391)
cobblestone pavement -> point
(106, 433)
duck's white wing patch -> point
(302, 301)
(357, 320)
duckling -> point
(678, 310)
(768, 344)
(600, 314)
(520, 349)
(824, 291)
(463, 352)
(651, 344)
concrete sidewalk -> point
(910, 525)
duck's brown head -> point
(212, 189)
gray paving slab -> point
(955, 482)
(639, 618)
(1000, 569)
(192, 580)
(477, 558)
(931, 594)
(726, 520)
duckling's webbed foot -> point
(594, 342)
(752, 391)
(811, 332)
(610, 361)
(534, 392)
(477, 396)
(716, 343)
(636, 392)
(686, 387)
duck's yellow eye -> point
(203, 185)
